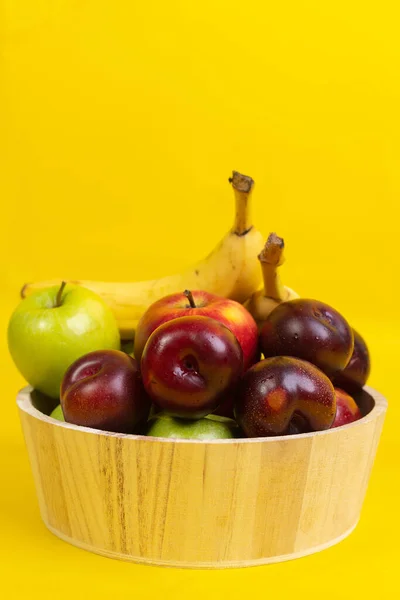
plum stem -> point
(271, 257)
(242, 187)
(59, 294)
(189, 296)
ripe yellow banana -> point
(263, 301)
(231, 270)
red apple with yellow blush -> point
(228, 312)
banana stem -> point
(59, 293)
(242, 187)
(271, 257)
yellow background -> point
(121, 122)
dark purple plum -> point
(356, 373)
(284, 395)
(310, 330)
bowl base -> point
(199, 565)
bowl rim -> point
(24, 402)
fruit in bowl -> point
(283, 395)
(210, 427)
(192, 347)
(310, 330)
(228, 312)
(190, 365)
(104, 390)
(53, 327)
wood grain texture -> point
(188, 503)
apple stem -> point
(59, 293)
(189, 296)
(271, 257)
(242, 187)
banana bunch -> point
(231, 270)
(263, 301)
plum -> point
(310, 330)
(283, 395)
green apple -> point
(57, 413)
(53, 327)
(211, 427)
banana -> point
(263, 301)
(231, 270)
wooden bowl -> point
(188, 503)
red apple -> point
(104, 390)
(228, 312)
(284, 395)
(190, 365)
(347, 410)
